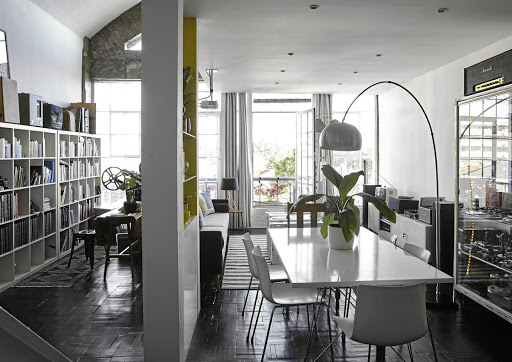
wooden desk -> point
(116, 218)
(241, 212)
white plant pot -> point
(337, 239)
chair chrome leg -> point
(369, 351)
(252, 316)
(410, 352)
(248, 289)
(268, 332)
(326, 348)
(257, 317)
(297, 310)
(432, 340)
(330, 331)
(307, 312)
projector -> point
(210, 104)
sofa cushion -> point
(217, 219)
(200, 214)
(208, 199)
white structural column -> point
(162, 36)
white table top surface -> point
(310, 262)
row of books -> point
(65, 193)
(36, 149)
(92, 148)
(5, 148)
(63, 171)
(19, 176)
(67, 217)
(86, 209)
(46, 204)
(93, 170)
(34, 229)
(5, 239)
(6, 201)
(20, 233)
(17, 148)
(81, 147)
(64, 241)
(65, 151)
(48, 223)
(73, 170)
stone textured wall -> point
(109, 59)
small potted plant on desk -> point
(131, 183)
(343, 225)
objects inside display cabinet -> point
(484, 257)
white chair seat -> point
(277, 273)
(346, 325)
(284, 294)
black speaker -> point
(369, 189)
(447, 226)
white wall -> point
(162, 141)
(406, 155)
(45, 57)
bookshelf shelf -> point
(34, 238)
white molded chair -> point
(277, 274)
(283, 295)
(417, 251)
(399, 316)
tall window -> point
(118, 108)
(274, 141)
(208, 143)
(362, 116)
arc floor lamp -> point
(341, 136)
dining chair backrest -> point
(390, 315)
(418, 252)
(400, 242)
(386, 235)
(264, 274)
(246, 238)
(313, 209)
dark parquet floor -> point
(469, 334)
(92, 320)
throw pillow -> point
(202, 202)
(200, 213)
(209, 203)
(208, 199)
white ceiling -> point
(248, 40)
(85, 17)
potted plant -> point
(342, 225)
(187, 78)
(132, 182)
(185, 202)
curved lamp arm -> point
(438, 239)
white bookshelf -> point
(23, 254)
(77, 195)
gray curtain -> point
(245, 153)
(323, 111)
(236, 151)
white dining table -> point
(309, 262)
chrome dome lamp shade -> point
(340, 137)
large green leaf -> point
(304, 200)
(327, 220)
(355, 209)
(380, 205)
(348, 183)
(332, 175)
(347, 223)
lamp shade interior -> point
(340, 137)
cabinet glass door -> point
(484, 255)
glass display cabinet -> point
(484, 182)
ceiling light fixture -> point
(314, 7)
(379, 55)
(277, 82)
(442, 10)
(355, 72)
(283, 70)
(340, 83)
(291, 53)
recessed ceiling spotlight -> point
(355, 72)
(340, 83)
(442, 10)
(283, 70)
(277, 82)
(314, 7)
(379, 55)
(291, 53)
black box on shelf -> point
(52, 116)
(400, 204)
(31, 109)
